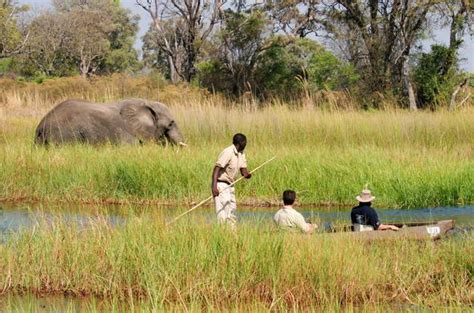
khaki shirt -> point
(230, 161)
(289, 218)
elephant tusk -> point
(182, 144)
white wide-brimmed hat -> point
(365, 196)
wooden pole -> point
(207, 199)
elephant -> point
(126, 121)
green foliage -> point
(39, 79)
(120, 60)
(326, 71)
(122, 55)
(213, 75)
(282, 68)
(435, 76)
(86, 38)
(279, 67)
(5, 65)
(231, 62)
(243, 32)
(153, 55)
(11, 36)
(470, 80)
(243, 38)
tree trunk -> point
(83, 68)
(173, 74)
(407, 86)
(452, 103)
(411, 96)
(191, 53)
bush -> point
(435, 76)
(5, 65)
(285, 70)
(212, 75)
(328, 72)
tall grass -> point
(408, 159)
(198, 264)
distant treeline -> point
(264, 49)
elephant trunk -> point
(175, 137)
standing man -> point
(229, 163)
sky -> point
(466, 52)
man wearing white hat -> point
(364, 217)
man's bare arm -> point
(215, 175)
(312, 228)
(386, 227)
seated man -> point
(364, 217)
(289, 218)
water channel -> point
(14, 216)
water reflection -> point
(16, 216)
(462, 215)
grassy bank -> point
(197, 265)
(408, 159)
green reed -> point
(202, 265)
(408, 160)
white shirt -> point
(289, 218)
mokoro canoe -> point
(432, 231)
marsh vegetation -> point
(325, 152)
(409, 159)
(195, 264)
(335, 114)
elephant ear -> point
(141, 120)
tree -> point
(433, 80)
(182, 25)
(12, 39)
(80, 36)
(122, 55)
(302, 65)
(164, 49)
(295, 17)
(380, 35)
(240, 43)
(458, 16)
(89, 41)
(120, 26)
(46, 52)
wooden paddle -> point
(207, 199)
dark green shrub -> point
(435, 76)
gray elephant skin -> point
(127, 121)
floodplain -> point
(325, 151)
